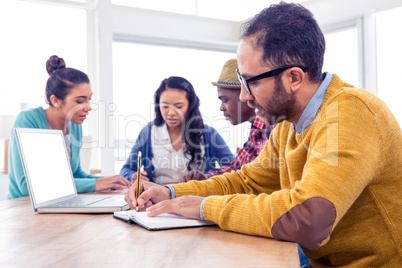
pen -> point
(217, 166)
(139, 167)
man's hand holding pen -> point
(156, 200)
(150, 194)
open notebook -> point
(160, 222)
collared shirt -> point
(313, 105)
(170, 165)
(251, 149)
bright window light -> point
(31, 33)
(34, 32)
(138, 70)
(389, 57)
(341, 57)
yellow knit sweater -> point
(335, 188)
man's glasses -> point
(264, 75)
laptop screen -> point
(46, 164)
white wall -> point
(330, 12)
(134, 24)
(6, 122)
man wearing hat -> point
(236, 112)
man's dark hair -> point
(288, 35)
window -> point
(389, 58)
(34, 32)
(341, 55)
(138, 70)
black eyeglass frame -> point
(264, 75)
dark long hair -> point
(193, 125)
(61, 79)
(288, 35)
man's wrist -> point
(172, 191)
(201, 208)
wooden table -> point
(99, 240)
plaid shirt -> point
(259, 134)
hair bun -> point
(54, 63)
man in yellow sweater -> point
(330, 176)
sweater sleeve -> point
(84, 182)
(253, 178)
(80, 174)
(304, 209)
(337, 169)
(85, 185)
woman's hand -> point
(115, 182)
(144, 175)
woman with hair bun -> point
(68, 93)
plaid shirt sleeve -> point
(259, 134)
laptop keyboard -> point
(79, 201)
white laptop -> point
(49, 178)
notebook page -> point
(163, 221)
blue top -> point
(36, 118)
(214, 146)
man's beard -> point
(281, 106)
